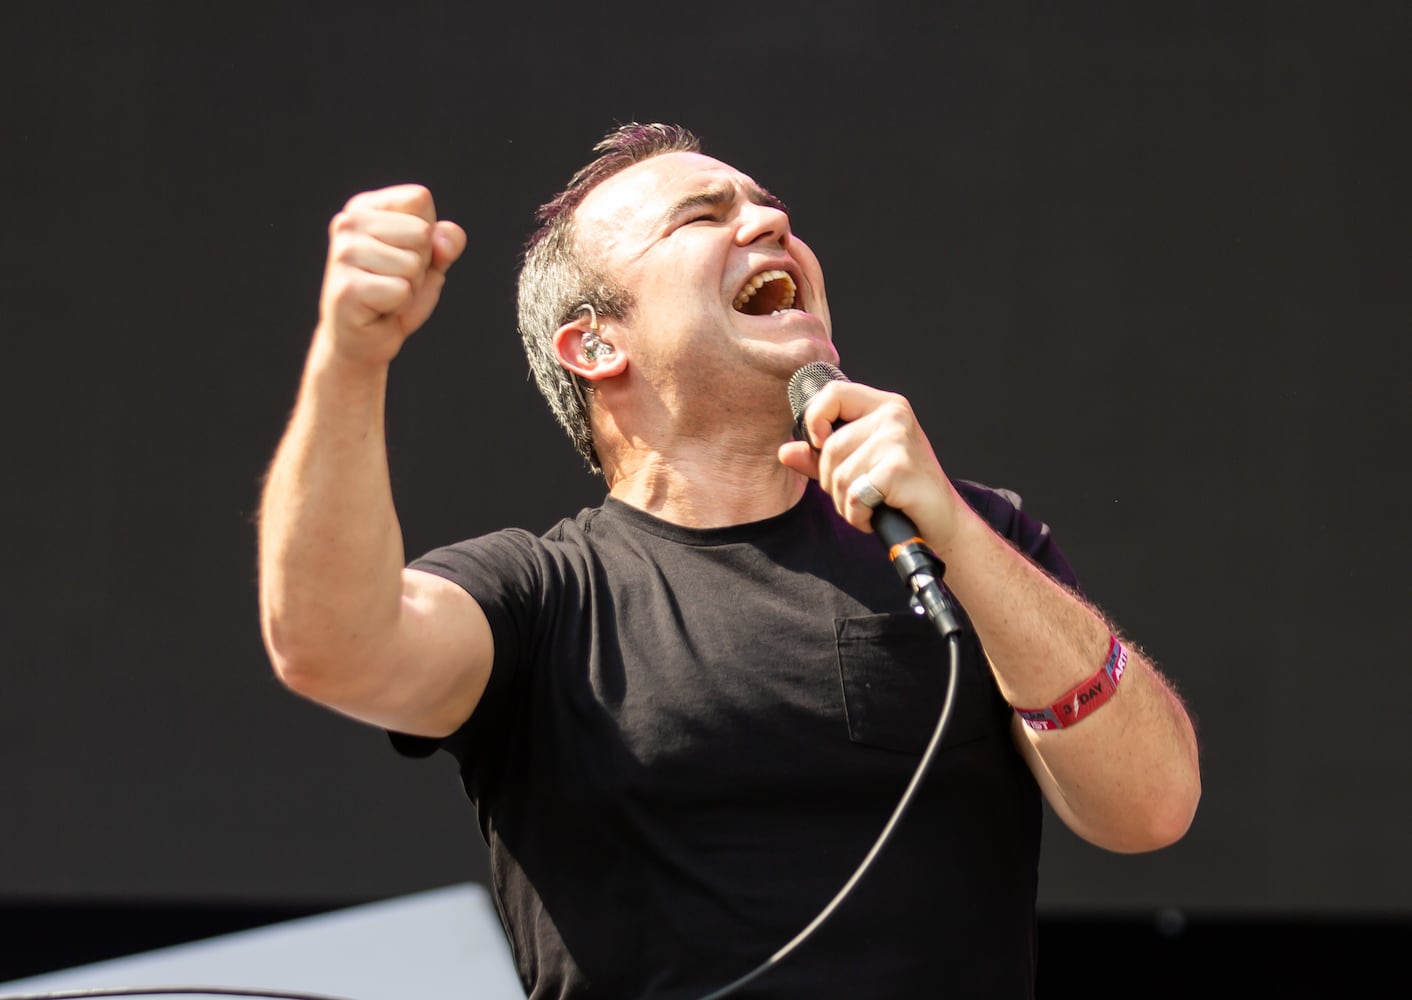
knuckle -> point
(360, 201)
(343, 250)
(414, 199)
(896, 407)
(423, 230)
(347, 221)
(336, 286)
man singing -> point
(685, 715)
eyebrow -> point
(723, 195)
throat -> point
(702, 490)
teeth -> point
(760, 281)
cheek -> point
(813, 270)
(682, 279)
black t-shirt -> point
(690, 739)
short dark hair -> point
(556, 279)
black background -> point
(1146, 264)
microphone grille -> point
(807, 381)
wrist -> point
(340, 357)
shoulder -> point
(507, 547)
(1004, 510)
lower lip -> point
(777, 314)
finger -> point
(843, 455)
(379, 242)
(448, 241)
(447, 245)
(406, 199)
(373, 297)
(850, 401)
(368, 253)
(398, 229)
(819, 417)
(837, 404)
(861, 497)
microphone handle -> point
(919, 567)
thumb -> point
(448, 241)
(800, 457)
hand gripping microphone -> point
(918, 566)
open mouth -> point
(767, 293)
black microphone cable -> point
(953, 643)
(922, 572)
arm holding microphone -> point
(343, 622)
(1126, 778)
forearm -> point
(1126, 776)
(330, 546)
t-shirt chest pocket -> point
(893, 669)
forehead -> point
(634, 201)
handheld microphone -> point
(918, 566)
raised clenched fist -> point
(387, 260)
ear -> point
(568, 346)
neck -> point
(694, 458)
(704, 487)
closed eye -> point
(702, 206)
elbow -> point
(327, 666)
(1175, 809)
(1164, 822)
(1169, 800)
(1139, 821)
(297, 676)
(1169, 825)
(1179, 812)
(313, 678)
(295, 664)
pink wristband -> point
(1085, 698)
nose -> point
(762, 222)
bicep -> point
(450, 650)
(428, 676)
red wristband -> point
(1085, 698)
